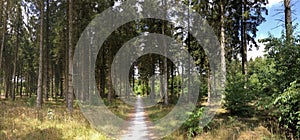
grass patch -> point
(237, 128)
(158, 111)
(222, 127)
(121, 109)
(19, 120)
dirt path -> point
(138, 126)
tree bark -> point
(166, 79)
(172, 80)
(7, 77)
(70, 55)
(102, 74)
(109, 79)
(13, 94)
(288, 21)
(177, 80)
(161, 80)
(244, 41)
(4, 32)
(165, 61)
(46, 68)
(133, 79)
(21, 82)
(189, 59)
(40, 77)
(223, 45)
(152, 95)
(208, 83)
(182, 80)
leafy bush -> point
(262, 81)
(31, 101)
(286, 59)
(237, 96)
(288, 109)
(192, 124)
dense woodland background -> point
(38, 39)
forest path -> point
(139, 128)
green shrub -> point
(192, 124)
(238, 94)
(31, 101)
(288, 109)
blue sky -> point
(272, 22)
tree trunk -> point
(2, 14)
(189, 59)
(165, 61)
(7, 77)
(172, 80)
(53, 85)
(161, 80)
(89, 67)
(109, 79)
(223, 45)
(21, 83)
(244, 41)
(4, 32)
(62, 85)
(208, 83)
(66, 73)
(288, 21)
(177, 80)
(182, 80)
(46, 53)
(40, 78)
(13, 71)
(102, 74)
(152, 86)
(152, 94)
(166, 78)
(70, 55)
(133, 79)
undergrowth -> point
(20, 120)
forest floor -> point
(224, 126)
(19, 120)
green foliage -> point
(285, 82)
(286, 59)
(31, 101)
(192, 124)
(261, 81)
(139, 89)
(288, 109)
(237, 96)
